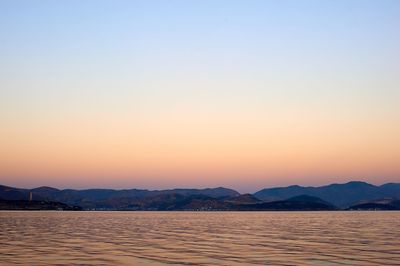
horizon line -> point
(201, 188)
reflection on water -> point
(200, 238)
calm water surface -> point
(200, 238)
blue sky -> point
(320, 78)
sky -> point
(165, 94)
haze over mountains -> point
(328, 197)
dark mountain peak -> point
(349, 185)
(243, 199)
(45, 189)
(287, 187)
(222, 191)
(218, 192)
(294, 186)
(358, 184)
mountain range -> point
(351, 195)
(340, 195)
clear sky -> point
(163, 94)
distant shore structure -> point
(30, 196)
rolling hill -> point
(341, 195)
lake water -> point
(200, 238)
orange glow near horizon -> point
(190, 150)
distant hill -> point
(243, 199)
(10, 193)
(248, 203)
(130, 199)
(307, 198)
(341, 195)
(381, 204)
(298, 203)
(200, 203)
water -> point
(200, 238)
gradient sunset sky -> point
(164, 94)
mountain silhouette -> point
(341, 195)
(330, 197)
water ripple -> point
(200, 238)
